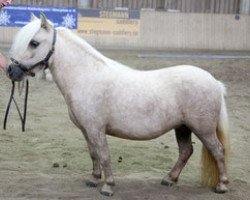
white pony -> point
(106, 97)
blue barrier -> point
(19, 15)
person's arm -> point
(4, 3)
(3, 62)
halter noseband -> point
(45, 61)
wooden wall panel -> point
(186, 6)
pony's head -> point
(32, 48)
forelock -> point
(24, 36)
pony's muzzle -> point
(15, 72)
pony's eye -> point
(33, 44)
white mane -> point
(67, 34)
(88, 49)
(23, 37)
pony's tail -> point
(209, 171)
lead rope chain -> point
(22, 117)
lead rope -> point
(22, 117)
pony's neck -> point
(77, 47)
(74, 58)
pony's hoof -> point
(221, 188)
(168, 182)
(107, 190)
(92, 182)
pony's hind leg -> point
(214, 167)
(183, 137)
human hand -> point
(3, 62)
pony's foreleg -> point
(92, 181)
(183, 137)
(96, 175)
(98, 143)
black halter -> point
(45, 61)
(27, 71)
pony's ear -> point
(44, 22)
(33, 17)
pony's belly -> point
(134, 133)
(139, 125)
